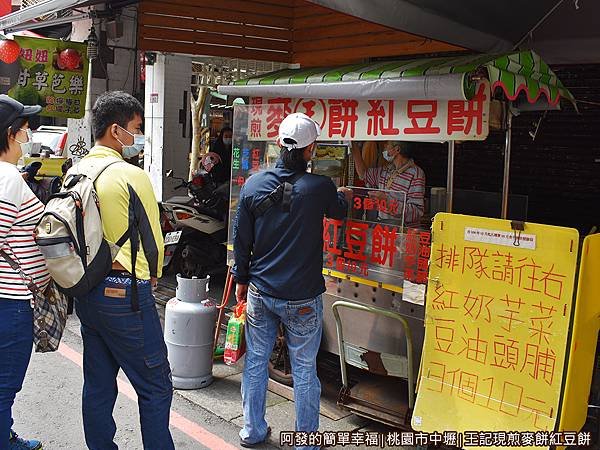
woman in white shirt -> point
(20, 211)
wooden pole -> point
(197, 106)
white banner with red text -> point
(404, 120)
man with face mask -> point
(401, 174)
(278, 268)
(121, 330)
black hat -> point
(10, 110)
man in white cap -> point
(278, 247)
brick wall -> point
(559, 171)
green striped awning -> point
(513, 72)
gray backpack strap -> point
(91, 168)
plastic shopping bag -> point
(235, 344)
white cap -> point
(298, 131)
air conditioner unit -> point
(114, 29)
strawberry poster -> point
(46, 72)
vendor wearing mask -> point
(220, 155)
(401, 174)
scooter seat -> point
(181, 200)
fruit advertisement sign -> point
(46, 72)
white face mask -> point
(387, 156)
(227, 141)
(26, 147)
(129, 151)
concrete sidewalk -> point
(223, 399)
(223, 396)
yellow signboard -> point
(497, 322)
(51, 167)
(585, 337)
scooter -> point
(195, 227)
(167, 226)
(43, 188)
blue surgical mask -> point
(129, 151)
(227, 141)
(387, 156)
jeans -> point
(115, 336)
(16, 341)
(303, 322)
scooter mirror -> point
(169, 173)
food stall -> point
(378, 273)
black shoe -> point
(247, 444)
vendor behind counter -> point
(400, 174)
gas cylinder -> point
(189, 332)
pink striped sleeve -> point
(415, 198)
(371, 176)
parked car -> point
(51, 138)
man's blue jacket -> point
(281, 253)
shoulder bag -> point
(49, 311)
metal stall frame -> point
(399, 369)
(518, 74)
(506, 177)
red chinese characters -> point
(421, 114)
(342, 116)
(353, 246)
(356, 240)
(255, 160)
(41, 56)
(315, 109)
(444, 335)
(256, 112)
(309, 107)
(497, 322)
(384, 245)
(331, 230)
(416, 255)
(385, 205)
(27, 54)
(462, 115)
(256, 109)
(332, 240)
(506, 353)
(423, 256)
(411, 251)
(381, 118)
(277, 109)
